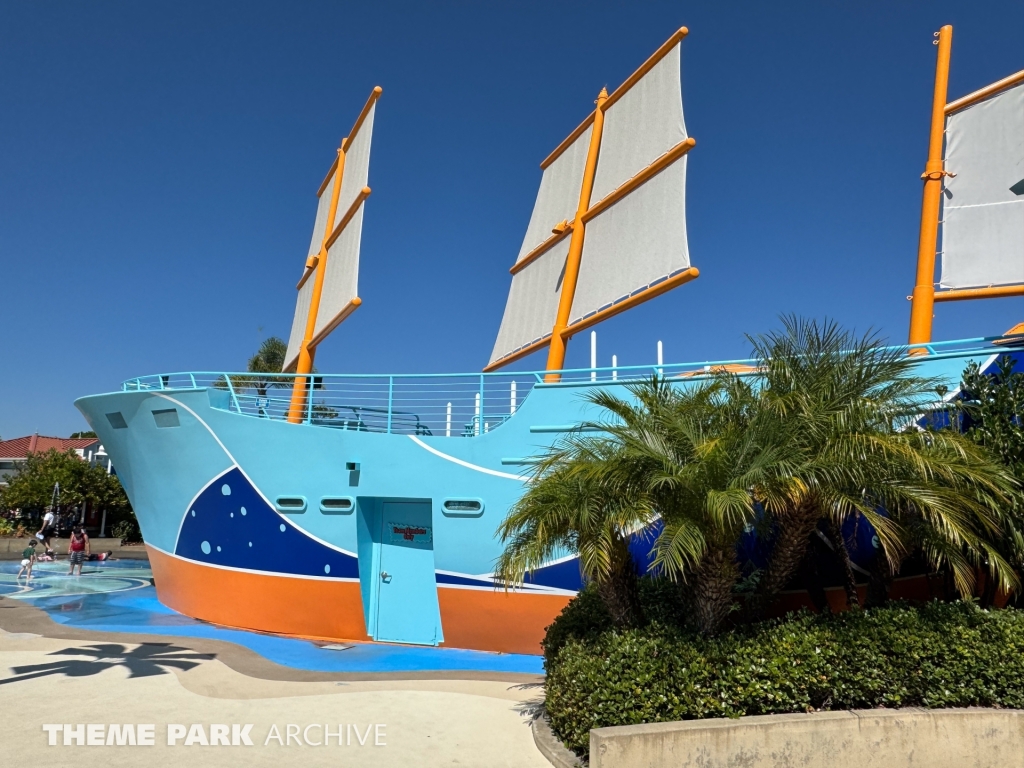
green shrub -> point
(127, 531)
(936, 655)
(6, 527)
(585, 615)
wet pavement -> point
(118, 597)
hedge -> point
(935, 655)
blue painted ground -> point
(118, 597)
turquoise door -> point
(407, 609)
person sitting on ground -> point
(28, 559)
(78, 549)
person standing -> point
(78, 549)
(48, 529)
(28, 559)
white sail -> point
(357, 166)
(641, 125)
(640, 239)
(298, 324)
(634, 231)
(323, 207)
(533, 298)
(341, 260)
(532, 302)
(559, 193)
(983, 204)
(341, 278)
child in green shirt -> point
(28, 559)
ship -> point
(365, 507)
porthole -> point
(291, 504)
(462, 507)
(117, 420)
(336, 505)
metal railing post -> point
(231, 389)
(391, 399)
(448, 421)
(593, 355)
(480, 407)
(309, 401)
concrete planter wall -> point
(894, 738)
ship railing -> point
(445, 405)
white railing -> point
(451, 405)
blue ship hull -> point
(336, 528)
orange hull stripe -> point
(283, 605)
(483, 620)
(494, 620)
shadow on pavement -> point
(146, 660)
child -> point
(28, 559)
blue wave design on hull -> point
(231, 525)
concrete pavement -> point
(99, 680)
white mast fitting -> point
(635, 223)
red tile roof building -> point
(21, 447)
(13, 453)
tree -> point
(75, 435)
(269, 359)
(850, 403)
(31, 488)
(824, 430)
(990, 410)
(698, 452)
(581, 500)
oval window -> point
(336, 505)
(462, 507)
(292, 504)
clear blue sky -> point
(159, 164)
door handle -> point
(385, 577)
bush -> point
(936, 655)
(6, 527)
(586, 617)
(127, 531)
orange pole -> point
(304, 367)
(556, 352)
(984, 93)
(991, 292)
(923, 300)
(692, 273)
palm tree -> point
(699, 456)
(269, 359)
(847, 404)
(821, 431)
(581, 500)
(689, 455)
